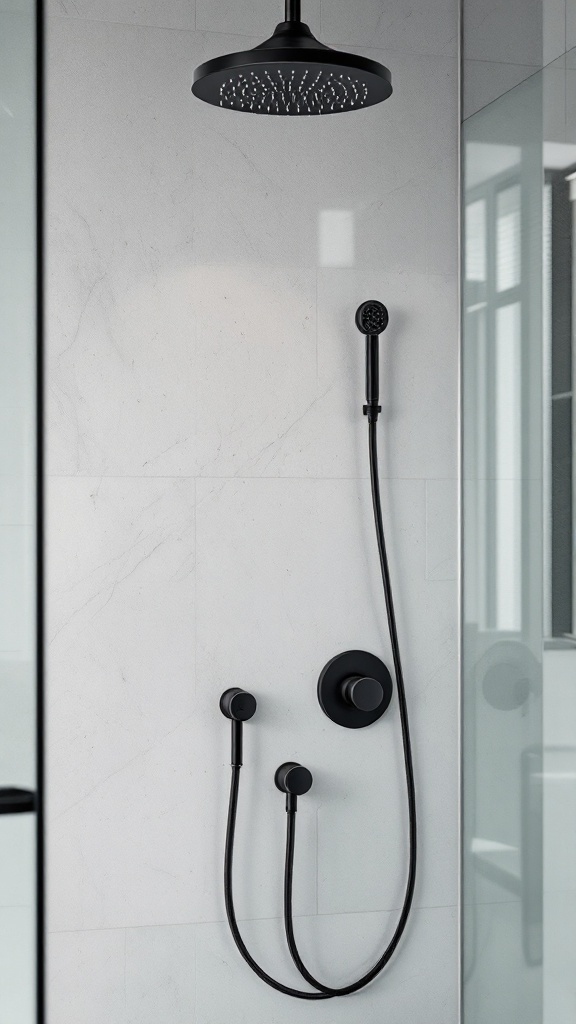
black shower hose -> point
(324, 991)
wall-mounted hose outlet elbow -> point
(239, 706)
(294, 780)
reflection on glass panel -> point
(519, 550)
(559, 500)
(508, 451)
(502, 565)
(559, 836)
(17, 514)
(476, 241)
(508, 239)
(17, 397)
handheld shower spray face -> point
(372, 317)
(371, 320)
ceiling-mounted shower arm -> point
(293, 11)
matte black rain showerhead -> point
(292, 73)
(372, 317)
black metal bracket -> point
(372, 410)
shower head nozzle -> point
(292, 73)
(372, 317)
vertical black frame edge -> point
(40, 554)
(460, 200)
(562, 257)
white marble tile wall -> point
(209, 511)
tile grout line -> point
(506, 63)
(317, 861)
(426, 530)
(316, 335)
(239, 479)
(255, 920)
(195, 659)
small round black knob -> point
(293, 779)
(363, 692)
(237, 704)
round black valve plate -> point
(332, 686)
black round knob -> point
(293, 778)
(363, 692)
(237, 704)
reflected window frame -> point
(482, 302)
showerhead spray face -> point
(372, 317)
(292, 73)
(371, 320)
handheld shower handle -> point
(371, 320)
(372, 370)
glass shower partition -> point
(518, 555)
(20, 712)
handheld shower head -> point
(372, 317)
(371, 320)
